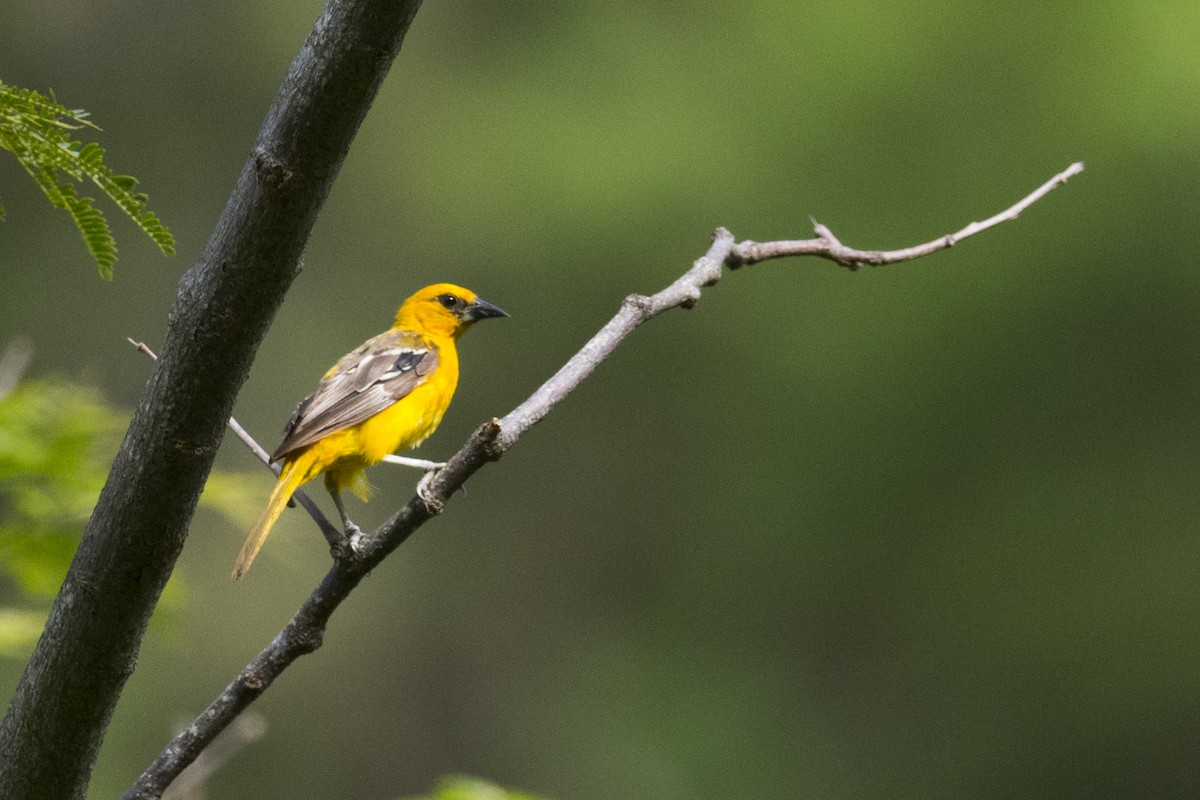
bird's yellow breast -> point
(406, 423)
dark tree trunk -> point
(56, 722)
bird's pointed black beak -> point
(482, 309)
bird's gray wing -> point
(363, 382)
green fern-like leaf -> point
(120, 189)
(37, 131)
(93, 227)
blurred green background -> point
(927, 531)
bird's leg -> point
(419, 463)
(353, 532)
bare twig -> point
(826, 245)
(416, 463)
(336, 538)
(306, 630)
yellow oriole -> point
(387, 395)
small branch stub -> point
(488, 435)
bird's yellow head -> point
(444, 309)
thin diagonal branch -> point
(305, 632)
(336, 538)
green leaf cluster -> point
(56, 442)
(37, 130)
(55, 438)
(463, 788)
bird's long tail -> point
(290, 477)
